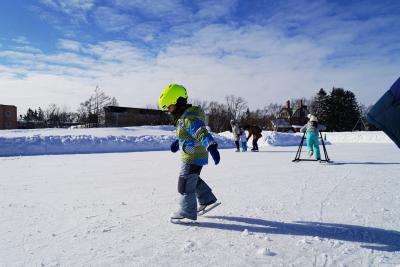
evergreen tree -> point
(40, 115)
(29, 116)
(344, 111)
(320, 106)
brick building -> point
(8, 117)
(123, 116)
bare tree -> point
(92, 110)
(52, 115)
(218, 117)
(114, 102)
(203, 104)
(236, 106)
(272, 110)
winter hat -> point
(312, 118)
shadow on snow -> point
(364, 163)
(376, 239)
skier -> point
(312, 129)
(254, 131)
(236, 134)
(385, 114)
(243, 139)
(196, 142)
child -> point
(312, 129)
(196, 142)
(243, 139)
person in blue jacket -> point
(195, 142)
(385, 114)
(312, 129)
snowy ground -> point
(113, 209)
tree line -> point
(89, 113)
(339, 110)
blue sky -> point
(58, 51)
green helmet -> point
(169, 96)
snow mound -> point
(94, 140)
(280, 139)
(271, 138)
(143, 138)
(358, 137)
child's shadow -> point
(377, 239)
(366, 163)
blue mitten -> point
(213, 149)
(174, 146)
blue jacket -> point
(385, 114)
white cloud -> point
(28, 49)
(76, 9)
(42, 90)
(211, 9)
(158, 8)
(21, 40)
(69, 45)
(111, 20)
(256, 62)
(69, 5)
(146, 31)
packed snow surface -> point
(144, 138)
(113, 209)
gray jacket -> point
(309, 127)
(235, 131)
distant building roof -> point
(117, 109)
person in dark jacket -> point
(385, 114)
(254, 131)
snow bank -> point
(143, 138)
(270, 138)
(358, 137)
(94, 140)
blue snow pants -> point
(244, 146)
(192, 187)
(312, 143)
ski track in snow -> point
(329, 195)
